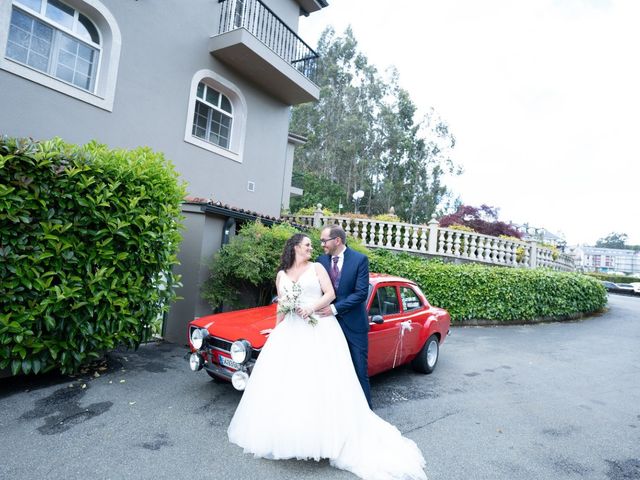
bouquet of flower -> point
(289, 303)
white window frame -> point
(215, 108)
(103, 93)
(239, 108)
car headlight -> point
(239, 380)
(196, 362)
(240, 351)
(197, 337)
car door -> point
(384, 337)
(413, 318)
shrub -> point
(614, 278)
(483, 219)
(386, 217)
(472, 291)
(249, 264)
(89, 238)
(309, 211)
(464, 228)
(362, 216)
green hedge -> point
(614, 278)
(88, 240)
(468, 292)
(498, 294)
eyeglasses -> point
(325, 240)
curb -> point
(552, 319)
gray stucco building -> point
(209, 83)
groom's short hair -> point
(338, 232)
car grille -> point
(225, 346)
(219, 343)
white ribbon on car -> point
(404, 326)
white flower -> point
(288, 303)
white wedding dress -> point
(303, 400)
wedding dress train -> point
(303, 400)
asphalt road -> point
(548, 401)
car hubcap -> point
(432, 353)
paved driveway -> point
(550, 401)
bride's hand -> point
(325, 311)
(303, 312)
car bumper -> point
(218, 371)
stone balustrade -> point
(434, 241)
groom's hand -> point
(324, 311)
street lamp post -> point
(357, 196)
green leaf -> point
(37, 365)
(49, 322)
(26, 366)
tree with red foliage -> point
(483, 219)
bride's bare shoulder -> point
(319, 268)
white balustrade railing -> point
(451, 243)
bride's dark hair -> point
(289, 253)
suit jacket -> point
(352, 294)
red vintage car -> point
(404, 328)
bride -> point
(303, 399)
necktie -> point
(335, 273)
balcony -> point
(255, 42)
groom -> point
(349, 273)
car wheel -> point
(427, 359)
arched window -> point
(216, 116)
(55, 39)
(72, 46)
(213, 116)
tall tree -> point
(362, 135)
(613, 240)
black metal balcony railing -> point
(267, 27)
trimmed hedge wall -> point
(468, 292)
(498, 294)
(88, 240)
(614, 278)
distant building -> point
(540, 235)
(612, 260)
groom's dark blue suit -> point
(351, 296)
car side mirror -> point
(377, 319)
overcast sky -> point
(543, 97)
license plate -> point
(227, 362)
